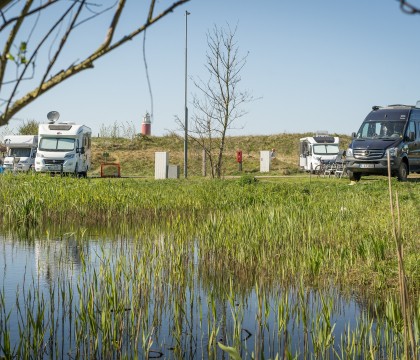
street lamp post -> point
(186, 108)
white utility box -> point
(265, 161)
(161, 165)
(173, 171)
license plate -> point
(54, 167)
(367, 166)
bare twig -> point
(62, 43)
(11, 106)
(37, 10)
(107, 46)
(11, 39)
(113, 26)
(408, 8)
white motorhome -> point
(20, 152)
(316, 149)
(64, 148)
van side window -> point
(86, 141)
(411, 128)
(414, 119)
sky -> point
(312, 65)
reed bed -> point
(148, 298)
(318, 230)
(166, 268)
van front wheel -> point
(354, 176)
(402, 172)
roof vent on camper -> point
(53, 116)
(59, 127)
(324, 139)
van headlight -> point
(24, 161)
(349, 152)
(393, 151)
(69, 156)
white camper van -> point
(63, 148)
(316, 149)
(20, 153)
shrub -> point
(247, 180)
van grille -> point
(368, 154)
(54, 162)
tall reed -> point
(406, 308)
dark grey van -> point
(394, 129)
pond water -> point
(141, 298)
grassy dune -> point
(136, 156)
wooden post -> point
(204, 164)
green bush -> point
(247, 180)
(29, 127)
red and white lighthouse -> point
(146, 125)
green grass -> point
(320, 228)
(239, 236)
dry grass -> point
(136, 156)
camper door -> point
(304, 155)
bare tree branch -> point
(408, 8)
(31, 61)
(63, 42)
(152, 7)
(11, 39)
(113, 26)
(29, 13)
(3, 3)
(12, 105)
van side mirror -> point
(353, 135)
(82, 150)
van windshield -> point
(381, 130)
(56, 144)
(20, 152)
(325, 149)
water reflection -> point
(157, 297)
(58, 256)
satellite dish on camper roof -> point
(53, 116)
